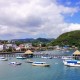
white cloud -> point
(72, 27)
(34, 17)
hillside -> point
(35, 42)
(68, 38)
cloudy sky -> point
(38, 18)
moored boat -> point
(3, 59)
(29, 61)
(20, 57)
(15, 63)
(74, 65)
(66, 58)
(71, 62)
(46, 57)
(40, 64)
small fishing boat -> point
(71, 62)
(46, 57)
(29, 61)
(74, 65)
(66, 58)
(20, 57)
(15, 63)
(40, 64)
(3, 59)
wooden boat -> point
(40, 64)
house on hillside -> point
(1, 47)
(28, 45)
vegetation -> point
(69, 38)
(35, 42)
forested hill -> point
(68, 38)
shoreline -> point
(11, 52)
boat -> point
(66, 58)
(71, 63)
(40, 64)
(29, 61)
(20, 57)
(3, 59)
(74, 65)
(45, 57)
(15, 63)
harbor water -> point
(56, 71)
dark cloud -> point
(31, 21)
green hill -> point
(68, 38)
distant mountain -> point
(42, 39)
(23, 40)
(33, 40)
(68, 38)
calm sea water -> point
(56, 71)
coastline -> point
(12, 52)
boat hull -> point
(15, 63)
(46, 57)
(3, 59)
(72, 63)
(44, 65)
(20, 57)
(29, 61)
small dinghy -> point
(44, 64)
(29, 61)
(3, 59)
(15, 63)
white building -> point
(18, 48)
(28, 45)
(1, 47)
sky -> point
(38, 18)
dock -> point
(34, 55)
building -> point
(28, 45)
(1, 47)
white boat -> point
(15, 63)
(66, 58)
(40, 64)
(71, 62)
(74, 65)
(46, 57)
(3, 59)
(29, 61)
(20, 57)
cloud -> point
(35, 18)
(72, 27)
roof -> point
(77, 52)
(28, 52)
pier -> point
(34, 55)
